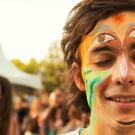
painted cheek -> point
(95, 81)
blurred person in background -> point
(44, 98)
(62, 110)
(35, 108)
(53, 118)
(14, 126)
(22, 110)
(5, 105)
(48, 117)
(59, 97)
(74, 120)
(32, 121)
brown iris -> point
(101, 38)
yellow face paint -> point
(83, 49)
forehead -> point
(118, 23)
(120, 18)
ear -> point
(76, 72)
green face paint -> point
(92, 80)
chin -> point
(125, 126)
(123, 122)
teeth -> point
(117, 99)
(129, 99)
(132, 99)
(124, 99)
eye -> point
(104, 61)
(102, 38)
(132, 34)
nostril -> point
(130, 83)
(119, 83)
(122, 84)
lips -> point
(121, 102)
(122, 99)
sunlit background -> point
(32, 60)
(30, 35)
(28, 27)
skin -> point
(107, 66)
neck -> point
(98, 128)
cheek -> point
(95, 83)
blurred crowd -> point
(47, 114)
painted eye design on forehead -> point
(103, 38)
(132, 34)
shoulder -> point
(75, 132)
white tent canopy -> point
(16, 76)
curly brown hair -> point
(82, 20)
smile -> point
(123, 99)
(127, 123)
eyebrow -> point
(100, 28)
(102, 48)
(131, 25)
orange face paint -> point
(118, 19)
(84, 48)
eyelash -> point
(105, 62)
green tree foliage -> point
(32, 67)
(51, 68)
(19, 64)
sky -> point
(28, 27)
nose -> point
(123, 74)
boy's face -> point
(108, 69)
